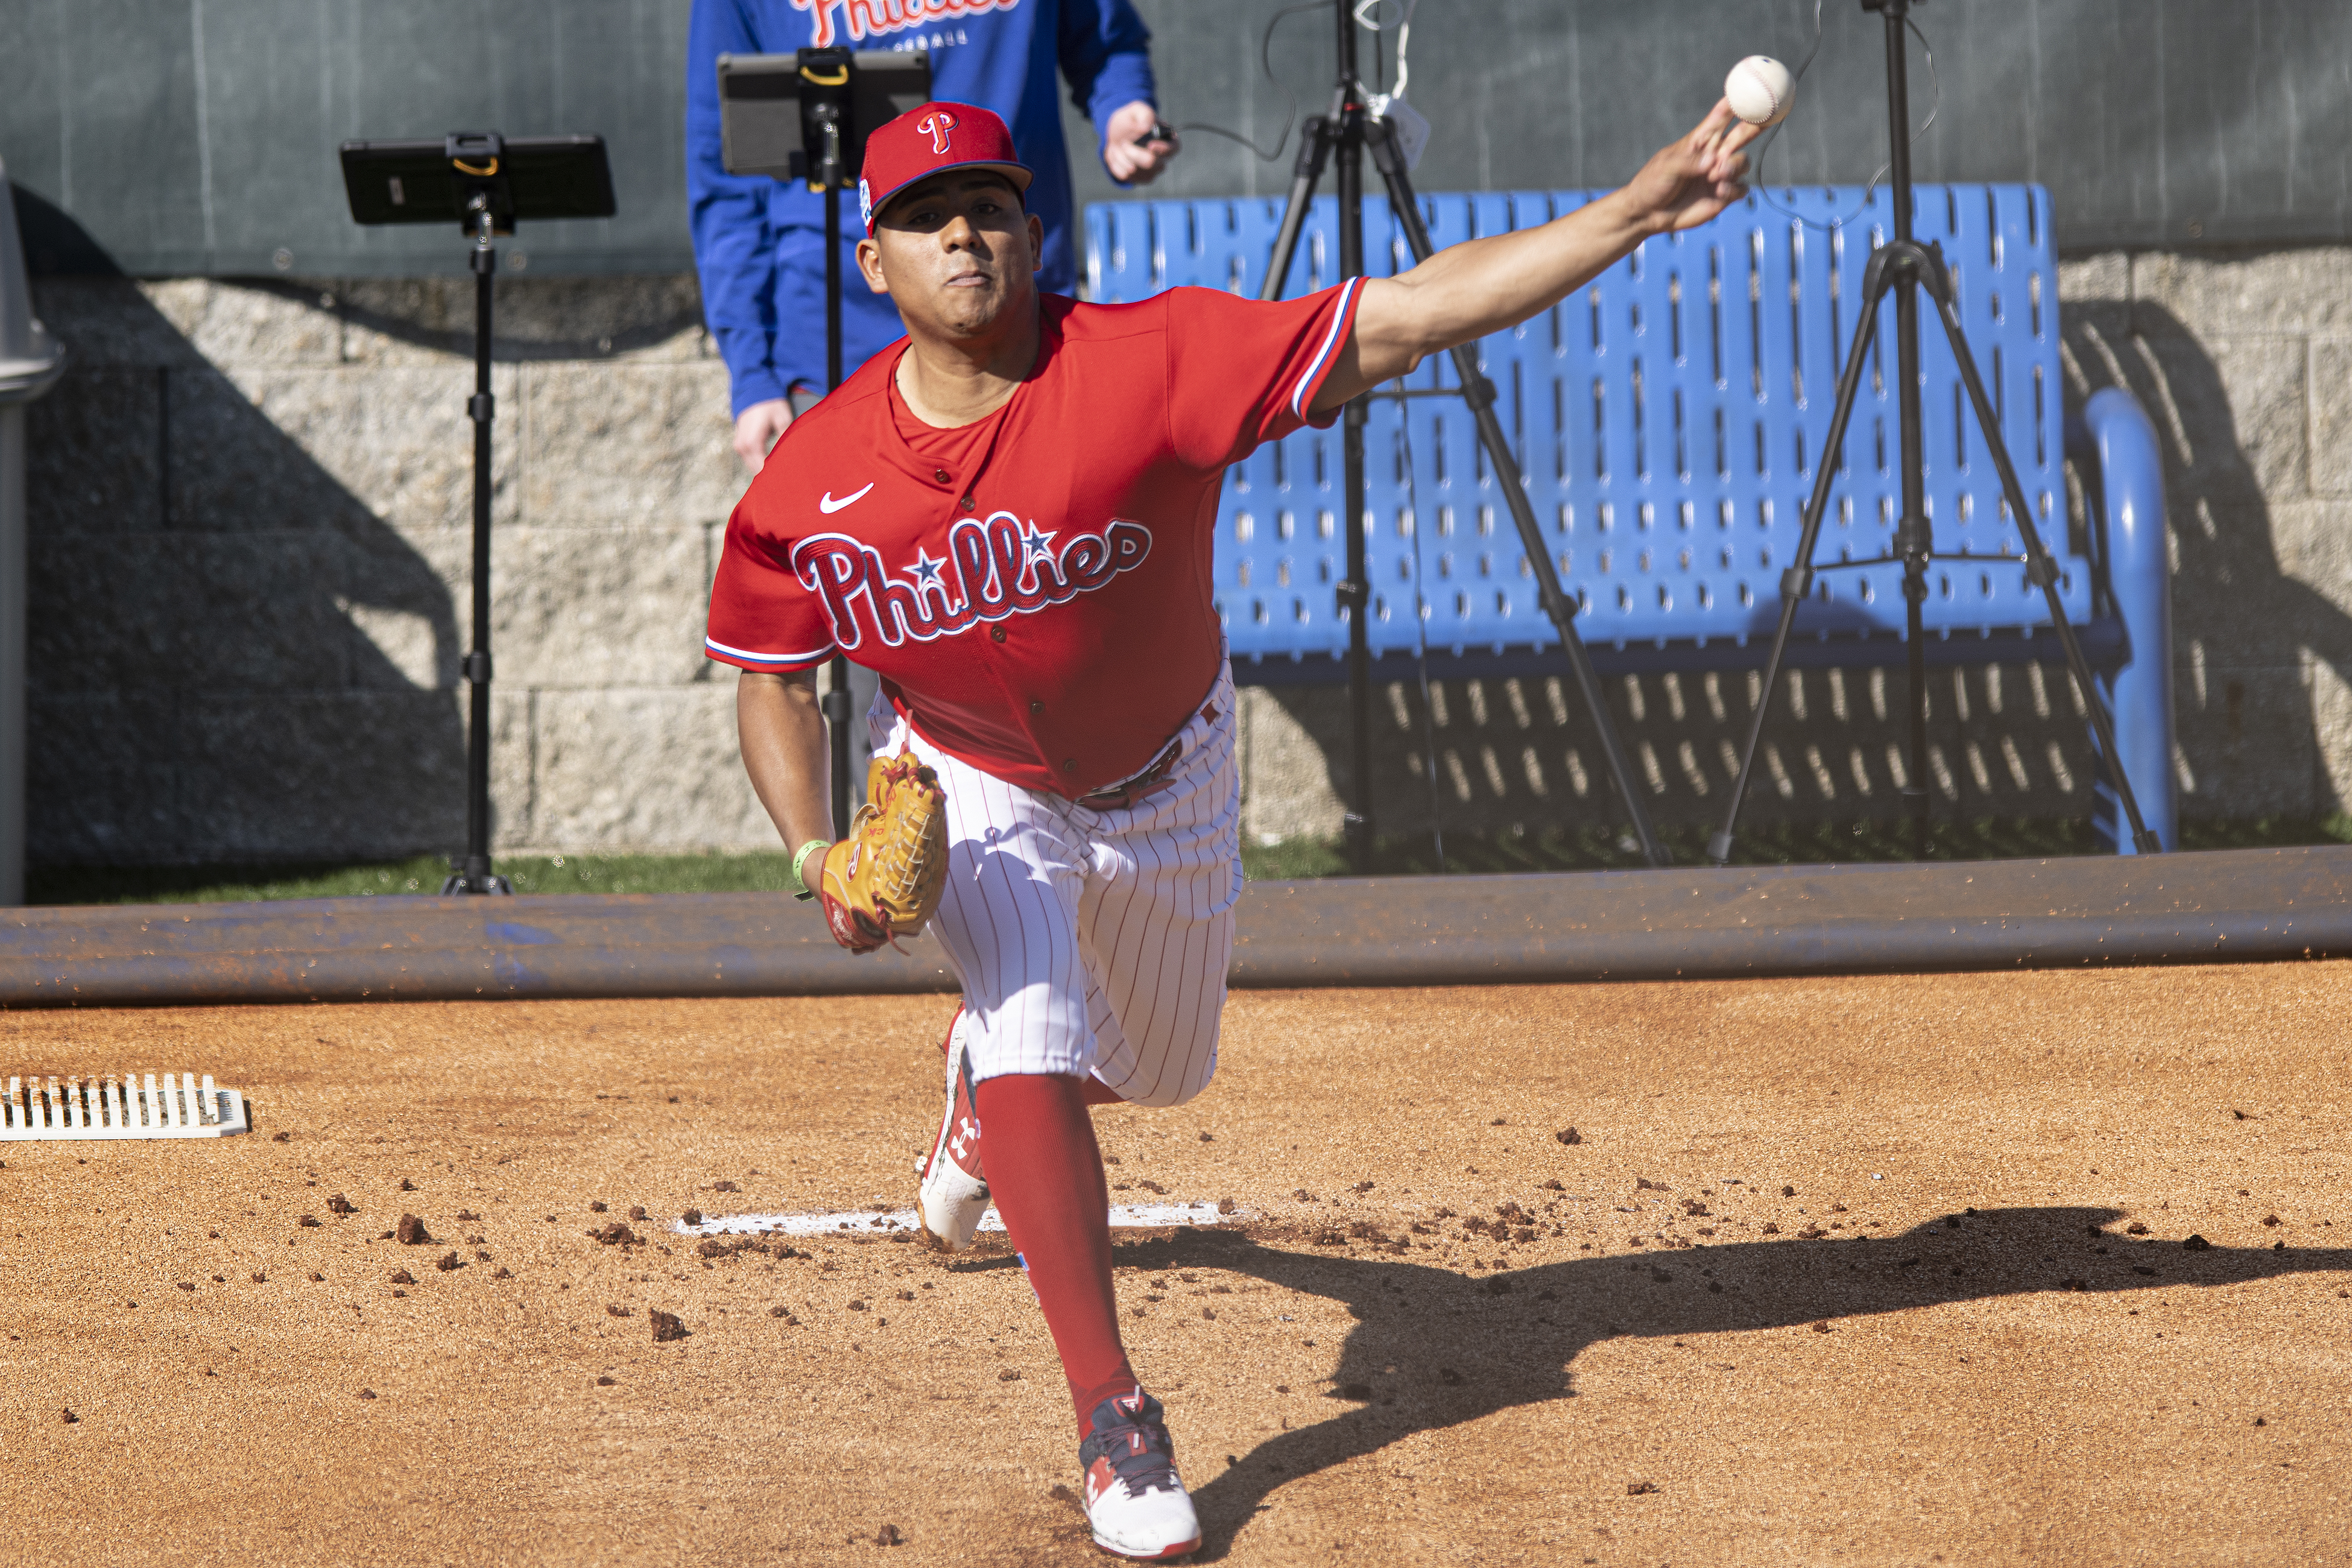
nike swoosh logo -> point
(829, 506)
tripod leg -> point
(1479, 393)
(2039, 568)
(1798, 580)
(1315, 139)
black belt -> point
(1151, 781)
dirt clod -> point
(666, 1326)
(2197, 1244)
(402, 1277)
(367, 1393)
(259, 1277)
(1640, 1489)
(316, 1278)
(406, 1185)
(281, 1137)
(2136, 1228)
(605, 1382)
(339, 1204)
(308, 1222)
(637, 1211)
(2269, 1219)
(1448, 1376)
(1820, 1328)
(596, 1207)
(410, 1231)
(1225, 1205)
(616, 1235)
(888, 1535)
(1569, 1135)
(1009, 1374)
(448, 1262)
(503, 1273)
(725, 1187)
(614, 1310)
(1788, 1192)
(691, 1216)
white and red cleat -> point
(1135, 1500)
(953, 1193)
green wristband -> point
(815, 846)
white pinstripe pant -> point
(1094, 941)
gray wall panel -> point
(198, 136)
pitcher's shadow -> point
(1515, 1332)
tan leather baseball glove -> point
(883, 880)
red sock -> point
(1047, 1175)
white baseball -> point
(1760, 89)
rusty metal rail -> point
(2225, 905)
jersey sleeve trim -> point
(782, 662)
(1304, 392)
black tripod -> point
(1904, 266)
(1347, 131)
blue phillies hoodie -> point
(758, 243)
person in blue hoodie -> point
(758, 244)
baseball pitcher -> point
(1009, 518)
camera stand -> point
(1904, 266)
(806, 117)
(486, 182)
(1347, 131)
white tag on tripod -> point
(1405, 123)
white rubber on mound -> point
(89, 1107)
(877, 1222)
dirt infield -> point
(1836, 1271)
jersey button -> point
(967, 504)
(1069, 764)
(996, 634)
(1035, 706)
(941, 475)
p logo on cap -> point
(930, 137)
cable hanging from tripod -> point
(1934, 106)
(1265, 65)
(1361, 13)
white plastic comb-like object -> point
(89, 1107)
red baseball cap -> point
(928, 138)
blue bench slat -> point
(1657, 417)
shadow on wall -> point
(230, 654)
(2255, 727)
(251, 503)
(2252, 710)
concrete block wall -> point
(250, 513)
(250, 507)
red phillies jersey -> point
(1043, 613)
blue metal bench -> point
(1667, 419)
